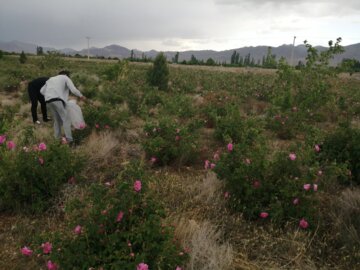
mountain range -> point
(258, 52)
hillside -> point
(258, 52)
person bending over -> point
(56, 93)
(34, 94)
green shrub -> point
(211, 113)
(342, 146)
(276, 187)
(22, 58)
(10, 83)
(286, 125)
(233, 128)
(113, 93)
(179, 105)
(152, 98)
(170, 142)
(119, 226)
(100, 117)
(51, 60)
(87, 84)
(117, 72)
(30, 178)
(120, 92)
(244, 171)
(7, 114)
(158, 75)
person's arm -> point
(72, 87)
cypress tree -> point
(22, 58)
(158, 75)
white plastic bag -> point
(75, 115)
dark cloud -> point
(182, 23)
(325, 7)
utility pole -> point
(292, 52)
(88, 42)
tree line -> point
(236, 60)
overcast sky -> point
(179, 25)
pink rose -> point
(315, 187)
(206, 164)
(307, 187)
(256, 184)
(226, 194)
(247, 161)
(317, 148)
(212, 165)
(142, 266)
(216, 156)
(292, 156)
(303, 223)
(42, 147)
(41, 161)
(296, 201)
(78, 229)
(137, 185)
(47, 247)
(120, 216)
(26, 251)
(97, 126)
(264, 214)
(2, 139)
(72, 180)
(82, 126)
(153, 160)
(230, 147)
(177, 138)
(107, 126)
(10, 145)
(51, 266)
(178, 268)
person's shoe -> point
(37, 122)
(47, 119)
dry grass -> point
(8, 100)
(207, 252)
(99, 148)
(346, 216)
(106, 152)
(226, 69)
(196, 204)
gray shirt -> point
(59, 87)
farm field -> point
(226, 168)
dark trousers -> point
(35, 97)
